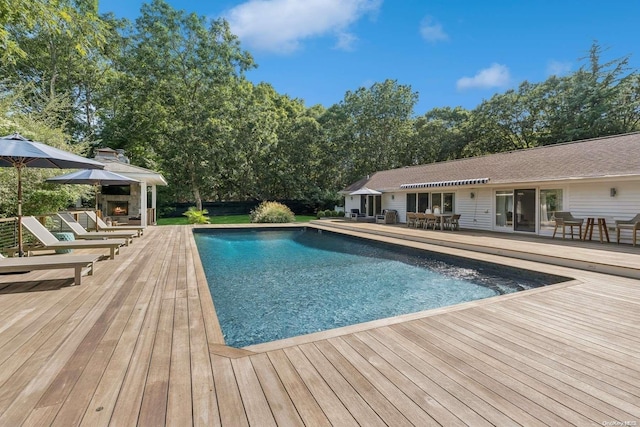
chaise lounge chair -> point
(51, 262)
(49, 241)
(633, 224)
(80, 233)
(102, 226)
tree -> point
(60, 56)
(599, 99)
(38, 196)
(375, 127)
(181, 77)
(441, 134)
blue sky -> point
(451, 52)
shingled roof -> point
(614, 156)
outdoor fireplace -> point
(117, 208)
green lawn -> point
(224, 219)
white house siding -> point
(351, 202)
(594, 199)
(396, 201)
(476, 213)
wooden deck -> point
(138, 343)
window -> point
(446, 202)
(550, 201)
(417, 202)
(411, 202)
(423, 202)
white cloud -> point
(496, 75)
(346, 41)
(558, 68)
(432, 31)
(281, 25)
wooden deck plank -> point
(354, 391)
(212, 325)
(56, 355)
(328, 400)
(544, 380)
(25, 341)
(255, 403)
(575, 344)
(282, 408)
(205, 405)
(432, 368)
(304, 402)
(436, 390)
(405, 385)
(582, 382)
(113, 319)
(75, 405)
(502, 398)
(179, 405)
(524, 383)
(232, 412)
(516, 392)
(153, 410)
(406, 407)
(127, 370)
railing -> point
(8, 233)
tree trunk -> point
(196, 195)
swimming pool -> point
(273, 284)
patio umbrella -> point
(364, 191)
(95, 177)
(19, 152)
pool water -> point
(269, 285)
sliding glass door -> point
(525, 208)
(504, 210)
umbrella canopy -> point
(93, 177)
(364, 191)
(19, 152)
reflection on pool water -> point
(273, 284)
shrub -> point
(335, 214)
(273, 212)
(195, 216)
(320, 214)
(327, 212)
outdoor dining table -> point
(442, 217)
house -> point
(515, 191)
(135, 203)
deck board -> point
(139, 343)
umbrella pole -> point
(20, 251)
(95, 186)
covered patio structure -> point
(141, 200)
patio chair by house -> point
(564, 220)
(49, 241)
(429, 220)
(51, 262)
(633, 224)
(412, 219)
(80, 233)
(388, 216)
(102, 226)
(355, 214)
(452, 222)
